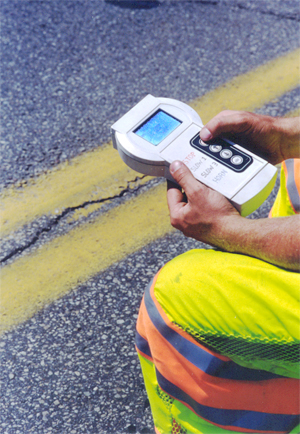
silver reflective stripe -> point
(291, 185)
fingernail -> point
(205, 134)
(175, 166)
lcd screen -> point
(157, 127)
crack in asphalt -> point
(55, 220)
(291, 16)
(284, 15)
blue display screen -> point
(157, 127)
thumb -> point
(183, 176)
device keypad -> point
(223, 152)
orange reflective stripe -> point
(292, 175)
(297, 173)
(179, 330)
(141, 332)
(275, 396)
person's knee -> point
(183, 286)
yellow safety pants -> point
(218, 339)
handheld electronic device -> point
(157, 131)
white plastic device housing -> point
(246, 190)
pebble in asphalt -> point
(69, 69)
(73, 368)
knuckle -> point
(243, 118)
(175, 222)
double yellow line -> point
(40, 277)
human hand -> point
(205, 215)
(199, 212)
(274, 139)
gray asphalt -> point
(69, 70)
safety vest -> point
(288, 198)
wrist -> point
(229, 233)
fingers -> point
(184, 177)
(178, 201)
(195, 213)
(175, 196)
(228, 121)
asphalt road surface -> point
(71, 293)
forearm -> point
(273, 240)
(289, 131)
(207, 216)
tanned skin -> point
(207, 216)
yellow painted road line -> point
(88, 177)
(293, 113)
(38, 279)
(52, 270)
(253, 89)
(101, 173)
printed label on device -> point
(157, 131)
(208, 166)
